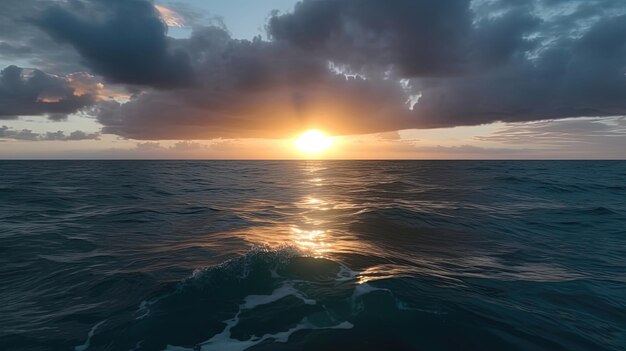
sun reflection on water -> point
(315, 220)
(317, 181)
(313, 203)
(312, 241)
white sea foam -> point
(224, 341)
(143, 310)
(85, 346)
(284, 290)
(137, 346)
(365, 288)
(345, 274)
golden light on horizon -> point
(313, 141)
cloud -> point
(85, 83)
(186, 145)
(180, 146)
(170, 17)
(346, 66)
(419, 37)
(80, 135)
(256, 89)
(602, 133)
(504, 63)
(592, 138)
(29, 135)
(461, 150)
(13, 50)
(23, 44)
(149, 146)
(468, 69)
(123, 40)
(33, 92)
(394, 135)
(24, 134)
(191, 15)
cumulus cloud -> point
(24, 134)
(187, 145)
(183, 145)
(502, 63)
(419, 37)
(29, 135)
(149, 146)
(256, 89)
(123, 40)
(33, 92)
(505, 65)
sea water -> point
(312, 255)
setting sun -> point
(313, 141)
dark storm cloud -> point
(23, 44)
(421, 37)
(472, 68)
(34, 92)
(29, 135)
(416, 38)
(123, 40)
(468, 62)
(12, 50)
(570, 78)
(254, 89)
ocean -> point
(312, 255)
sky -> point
(242, 79)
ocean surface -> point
(312, 255)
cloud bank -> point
(34, 92)
(29, 135)
(346, 66)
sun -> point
(313, 142)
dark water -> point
(312, 255)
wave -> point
(498, 254)
(264, 296)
